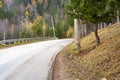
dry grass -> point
(94, 64)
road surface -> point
(31, 61)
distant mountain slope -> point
(26, 11)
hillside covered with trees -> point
(33, 18)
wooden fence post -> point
(77, 34)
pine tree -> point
(114, 5)
(93, 11)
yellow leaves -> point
(40, 1)
(69, 32)
(37, 20)
(33, 2)
(0, 4)
(26, 13)
(44, 27)
(29, 25)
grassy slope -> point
(106, 57)
(94, 64)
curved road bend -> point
(31, 61)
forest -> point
(40, 18)
(33, 18)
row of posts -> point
(77, 29)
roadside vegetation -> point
(33, 18)
(91, 63)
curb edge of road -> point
(51, 70)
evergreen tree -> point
(93, 11)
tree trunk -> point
(53, 25)
(101, 25)
(43, 27)
(77, 34)
(96, 35)
(85, 30)
(110, 24)
(118, 20)
(105, 25)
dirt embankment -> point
(91, 64)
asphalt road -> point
(31, 61)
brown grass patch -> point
(94, 64)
